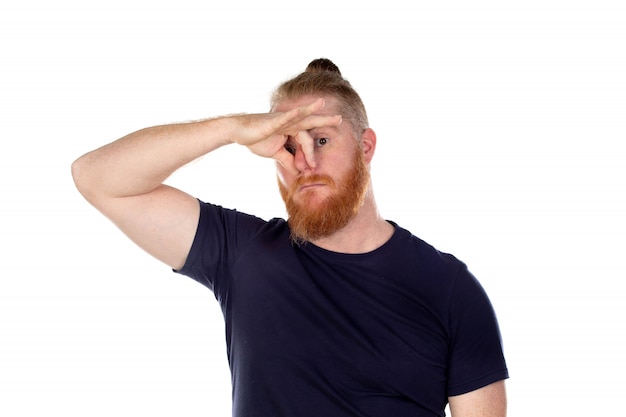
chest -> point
(354, 325)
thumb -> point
(286, 160)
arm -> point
(489, 401)
(124, 179)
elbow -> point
(76, 173)
(80, 175)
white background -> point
(501, 131)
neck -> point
(364, 233)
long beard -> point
(309, 220)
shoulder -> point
(424, 254)
(223, 235)
(232, 220)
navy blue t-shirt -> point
(310, 332)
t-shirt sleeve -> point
(476, 353)
(220, 236)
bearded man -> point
(335, 311)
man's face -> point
(321, 200)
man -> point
(336, 312)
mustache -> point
(313, 179)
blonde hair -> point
(322, 77)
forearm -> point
(140, 162)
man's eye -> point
(321, 141)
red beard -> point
(308, 221)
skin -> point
(488, 401)
(124, 181)
(368, 230)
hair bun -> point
(322, 64)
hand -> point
(266, 134)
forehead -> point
(331, 105)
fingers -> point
(266, 134)
(286, 160)
(295, 124)
(312, 122)
(292, 161)
(308, 147)
(316, 105)
(305, 118)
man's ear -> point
(368, 144)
